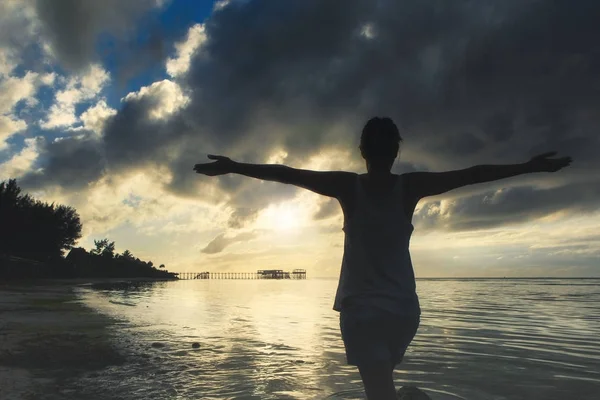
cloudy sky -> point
(107, 105)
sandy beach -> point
(46, 338)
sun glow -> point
(281, 217)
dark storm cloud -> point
(470, 82)
(73, 26)
(132, 138)
(459, 145)
(241, 216)
(220, 242)
(510, 206)
(499, 127)
(71, 163)
(278, 56)
(328, 209)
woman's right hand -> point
(223, 165)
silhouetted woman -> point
(376, 295)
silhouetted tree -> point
(104, 248)
(93, 264)
(34, 229)
(127, 255)
(161, 266)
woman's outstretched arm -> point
(424, 184)
(327, 183)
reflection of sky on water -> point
(478, 339)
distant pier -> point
(261, 274)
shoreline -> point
(47, 337)
(25, 283)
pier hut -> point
(273, 274)
(299, 274)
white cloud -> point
(9, 127)
(48, 79)
(21, 162)
(220, 4)
(95, 117)
(60, 114)
(79, 88)
(6, 63)
(277, 157)
(138, 199)
(181, 63)
(13, 90)
(166, 96)
(93, 81)
(368, 31)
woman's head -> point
(380, 142)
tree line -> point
(34, 229)
(35, 235)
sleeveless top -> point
(376, 267)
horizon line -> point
(442, 277)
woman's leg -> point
(378, 381)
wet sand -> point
(48, 338)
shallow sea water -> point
(489, 339)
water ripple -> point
(478, 339)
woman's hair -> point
(380, 139)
